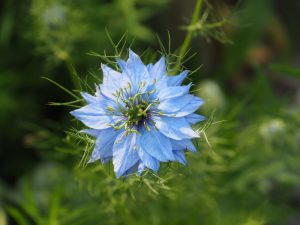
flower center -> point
(135, 110)
(136, 113)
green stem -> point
(188, 37)
(74, 76)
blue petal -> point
(90, 98)
(172, 105)
(147, 160)
(185, 144)
(122, 64)
(104, 145)
(157, 145)
(98, 92)
(141, 168)
(177, 80)
(124, 153)
(112, 82)
(94, 116)
(180, 157)
(191, 107)
(194, 118)
(176, 128)
(91, 132)
(149, 66)
(98, 108)
(131, 170)
(110, 75)
(180, 106)
(134, 59)
(173, 92)
(158, 70)
(136, 69)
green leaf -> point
(18, 216)
(286, 70)
(61, 87)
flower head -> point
(140, 116)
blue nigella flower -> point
(140, 116)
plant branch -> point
(188, 37)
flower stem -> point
(188, 37)
(74, 76)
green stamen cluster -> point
(135, 109)
(136, 113)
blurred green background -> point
(248, 172)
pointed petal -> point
(158, 70)
(112, 82)
(92, 109)
(185, 144)
(91, 132)
(134, 58)
(147, 160)
(131, 170)
(89, 98)
(104, 145)
(172, 105)
(191, 107)
(157, 145)
(194, 118)
(177, 80)
(109, 75)
(176, 128)
(124, 153)
(141, 168)
(180, 157)
(136, 71)
(94, 116)
(122, 64)
(149, 66)
(98, 92)
(137, 67)
(173, 92)
(180, 106)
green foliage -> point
(252, 26)
(211, 26)
(246, 170)
(286, 69)
(65, 28)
